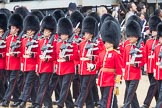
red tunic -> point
(12, 62)
(157, 63)
(149, 54)
(83, 52)
(122, 46)
(29, 64)
(67, 67)
(3, 54)
(110, 60)
(46, 66)
(132, 72)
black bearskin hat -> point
(104, 16)
(95, 15)
(65, 26)
(3, 22)
(58, 14)
(90, 25)
(39, 14)
(135, 18)
(76, 17)
(109, 17)
(23, 11)
(16, 20)
(159, 30)
(110, 33)
(6, 12)
(31, 22)
(153, 22)
(49, 22)
(133, 29)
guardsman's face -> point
(108, 45)
(133, 39)
(14, 30)
(47, 33)
(30, 33)
(64, 37)
(154, 33)
(77, 31)
(160, 40)
(88, 36)
(1, 32)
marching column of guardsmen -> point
(41, 54)
(149, 57)
(29, 52)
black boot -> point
(58, 106)
(38, 106)
(15, 104)
(22, 105)
(5, 104)
(145, 106)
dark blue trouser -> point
(76, 83)
(160, 94)
(131, 97)
(28, 85)
(65, 93)
(152, 90)
(76, 86)
(2, 83)
(53, 83)
(44, 79)
(86, 94)
(34, 90)
(19, 88)
(12, 78)
(108, 99)
(95, 91)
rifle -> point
(134, 52)
(16, 44)
(2, 41)
(64, 47)
(33, 43)
(79, 39)
(90, 46)
(160, 57)
(46, 48)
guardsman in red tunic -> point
(67, 53)
(132, 61)
(58, 13)
(76, 17)
(13, 43)
(45, 58)
(149, 56)
(110, 64)
(3, 28)
(95, 92)
(29, 52)
(89, 51)
(157, 65)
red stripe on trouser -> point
(14, 84)
(87, 90)
(109, 98)
(68, 89)
(47, 81)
